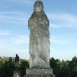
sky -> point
(14, 32)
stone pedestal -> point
(39, 73)
(17, 73)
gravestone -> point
(16, 72)
(39, 47)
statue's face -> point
(38, 8)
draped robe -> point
(39, 47)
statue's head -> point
(38, 6)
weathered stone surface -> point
(39, 38)
(39, 76)
(16, 73)
(39, 43)
(39, 71)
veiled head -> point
(38, 6)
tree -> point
(23, 66)
(55, 66)
(73, 67)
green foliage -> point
(60, 68)
(73, 67)
(23, 66)
(7, 67)
(64, 68)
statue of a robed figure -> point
(39, 47)
(16, 72)
(39, 37)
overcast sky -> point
(14, 32)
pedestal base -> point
(17, 73)
(39, 73)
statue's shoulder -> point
(33, 18)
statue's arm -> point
(44, 24)
(32, 24)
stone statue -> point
(39, 37)
(39, 43)
(17, 61)
(17, 72)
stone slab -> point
(39, 76)
(39, 73)
(16, 74)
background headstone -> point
(16, 72)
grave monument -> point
(16, 72)
(39, 47)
